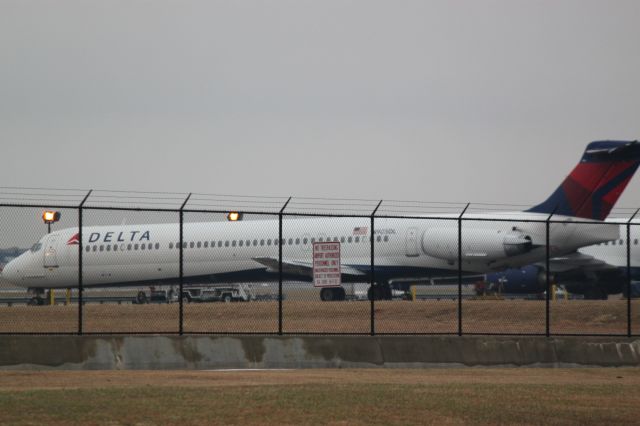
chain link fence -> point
(141, 263)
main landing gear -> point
(379, 292)
(330, 294)
(38, 297)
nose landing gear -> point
(38, 297)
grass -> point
(433, 316)
(475, 397)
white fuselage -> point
(417, 247)
(614, 252)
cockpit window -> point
(36, 247)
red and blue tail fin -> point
(596, 183)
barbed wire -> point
(37, 196)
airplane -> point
(425, 246)
(594, 272)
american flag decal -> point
(75, 240)
(360, 230)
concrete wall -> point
(218, 352)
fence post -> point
(280, 266)
(373, 270)
(80, 255)
(460, 269)
(548, 274)
(181, 267)
(629, 273)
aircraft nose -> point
(10, 272)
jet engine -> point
(477, 244)
(530, 279)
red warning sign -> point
(326, 264)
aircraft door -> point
(50, 254)
(411, 242)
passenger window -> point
(233, 243)
(171, 245)
(297, 241)
(635, 242)
(220, 243)
(255, 242)
(240, 243)
(157, 246)
(199, 245)
(378, 238)
(115, 247)
(621, 243)
(184, 245)
(95, 248)
(135, 246)
(261, 242)
(342, 239)
(248, 242)
(191, 244)
(128, 246)
(290, 241)
(313, 240)
(226, 243)
(101, 247)
(88, 249)
(205, 244)
(357, 239)
(386, 238)
(305, 241)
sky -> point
(481, 101)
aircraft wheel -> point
(340, 293)
(386, 292)
(227, 298)
(326, 295)
(596, 294)
(375, 292)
